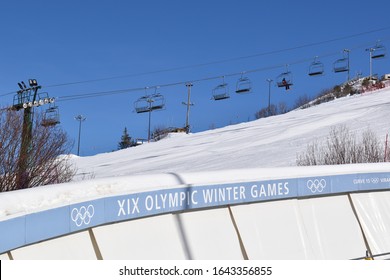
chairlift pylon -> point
(316, 68)
(24, 99)
(221, 91)
(244, 85)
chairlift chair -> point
(244, 85)
(51, 116)
(157, 102)
(284, 80)
(142, 105)
(221, 92)
(316, 68)
(149, 103)
(379, 51)
(341, 65)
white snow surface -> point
(264, 143)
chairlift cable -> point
(122, 91)
(113, 92)
(221, 61)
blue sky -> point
(82, 47)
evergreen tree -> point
(125, 140)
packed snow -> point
(268, 142)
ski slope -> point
(268, 142)
(321, 227)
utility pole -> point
(269, 96)
(189, 86)
(79, 118)
(150, 101)
(348, 66)
(370, 50)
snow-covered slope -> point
(269, 142)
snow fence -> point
(340, 212)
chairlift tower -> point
(80, 119)
(149, 103)
(370, 50)
(376, 52)
(188, 104)
(269, 96)
(348, 65)
(342, 64)
(27, 98)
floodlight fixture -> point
(33, 82)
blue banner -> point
(55, 222)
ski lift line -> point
(247, 71)
(120, 91)
(129, 90)
(224, 60)
(105, 93)
(207, 78)
(211, 78)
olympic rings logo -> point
(316, 185)
(375, 180)
(83, 215)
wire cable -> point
(120, 91)
(222, 61)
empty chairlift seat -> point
(341, 65)
(316, 68)
(221, 91)
(244, 85)
(379, 51)
(149, 103)
(51, 116)
(142, 105)
(158, 102)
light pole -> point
(80, 119)
(150, 102)
(189, 86)
(370, 50)
(269, 96)
(348, 67)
